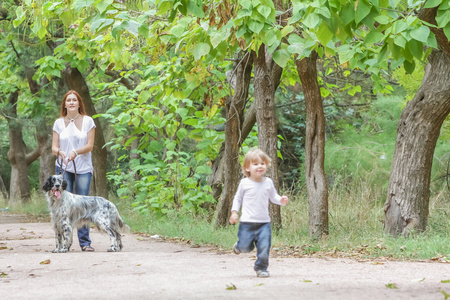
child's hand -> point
(234, 218)
(284, 200)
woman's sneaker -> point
(262, 273)
(235, 249)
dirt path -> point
(149, 268)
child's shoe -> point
(235, 249)
(262, 273)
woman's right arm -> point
(55, 143)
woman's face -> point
(72, 103)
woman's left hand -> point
(71, 156)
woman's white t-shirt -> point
(70, 139)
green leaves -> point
(281, 57)
(49, 66)
(200, 50)
(421, 34)
(362, 10)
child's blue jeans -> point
(259, 235)
(82, 184)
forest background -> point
(164, 79)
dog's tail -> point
(124, 228)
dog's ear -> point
(64, 185)
(47, 184)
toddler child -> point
(253, 195)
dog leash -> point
(60, 168)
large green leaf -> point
(362, 10)
(281, 57)
(271, 36)
(347, 14)
(373, 37)
(255, 26)
(196, 9)
(247, 4)
(443, 17)
(264, 10)
(409, 66)
(324, 34)
(345, 53)
(421, 33)
(79, 4)
(416, 48)
(400, 41)
(432, 3)
(311, 20)
(200, 50)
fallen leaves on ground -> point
(391, 286)
(45, 262)
(445, 295)
(231, 287)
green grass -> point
(355, 223)
(37, 206)
(356, 218)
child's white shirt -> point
(254, 199)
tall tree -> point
(241, 75)
(407, 203)
(267, 79)
(18, 156)
(316, 183)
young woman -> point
(72, 143)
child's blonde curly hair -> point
(254, 155)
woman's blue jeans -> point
(82, 184)
(259, 235)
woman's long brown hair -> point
(63, 111)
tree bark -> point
(267, 79)
(19, 189)
(3, 190)
(43, 134)
(46, 159)
(75, 81)
(233, 135)
(216, 180)
(406, 206)
(316, 183)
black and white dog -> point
(69, 211)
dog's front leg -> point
(66, 230)
(58, 240)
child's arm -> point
(274, 197)
(284, 200)
(237, 203)
(234, 218)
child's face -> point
(257, 169)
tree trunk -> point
(233, 135)
(267, 79)
(75, 81)
(46, 159)
(406, 206)
(216, 180)
(20, 161)
(43, 134)
(3, 190)
(316, 184)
